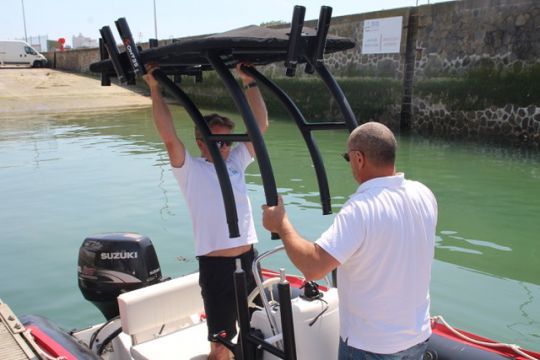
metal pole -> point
(287, 325)
(269, 183)
(305, 129)
(242, 311)
(155, 21)
(408, 72)
(24, 21)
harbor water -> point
(65, 177)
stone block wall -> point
(353, 62)
(454, 37)
(511, 124)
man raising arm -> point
(198, 182)
(382, 243)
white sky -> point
(175, 18)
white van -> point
(16, 52)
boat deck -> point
(12, 343)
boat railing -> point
(255, 268)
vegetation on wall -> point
(374, 98)
(482, 88)
(369, 98)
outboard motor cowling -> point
(114, 263)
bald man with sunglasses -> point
(199, 184)
(382, 244)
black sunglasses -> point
(347, 157)
(220, 143)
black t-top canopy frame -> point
(221, 52)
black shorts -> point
(217, 290)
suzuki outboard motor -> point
(114, 263)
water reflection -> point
(488, 195)
(450, 240)
(499, 308)
(165, 210)
(528, 326)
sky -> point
(174, 18)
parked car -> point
(17, 52)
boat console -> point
(314, 312)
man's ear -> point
(361, 159)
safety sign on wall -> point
(382, 36)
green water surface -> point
(63, 178)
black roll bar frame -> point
(248, 340)
(295, 37)
(305, 130)
(301, 48)
(103, 54)
(313, 54)
(323, 25)
(210, 140)
(252, 128)
(253, 133)
(110, 45)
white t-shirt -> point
(199, 183)
(384, 238)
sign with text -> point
(382, 36)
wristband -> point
(250, 85)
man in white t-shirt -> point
(382, 244)
(199, 184)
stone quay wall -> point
(455, 37)
(510, 124)
(458, 40)
(451, 38)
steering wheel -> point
(267, 284)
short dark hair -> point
(376, 141)
(215, 119)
